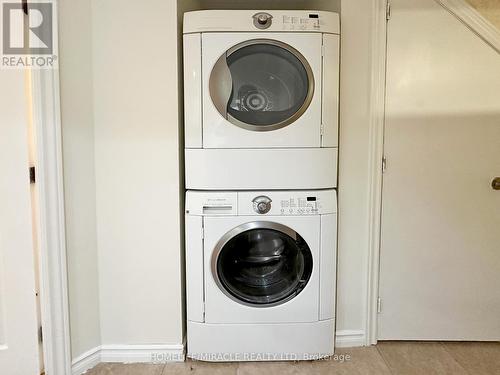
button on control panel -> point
(310, 22)
(299, 206)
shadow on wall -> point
(189, 5)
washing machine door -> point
(261, 85)
(262, 264)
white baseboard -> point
(171, 353)
(127, 354)
(350, 338)
(86, 361)
(142, 353)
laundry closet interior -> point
(194, 129)
(229, 169)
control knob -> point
(262, 20)
(262, 204)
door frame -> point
(52, 239)
(472, 19)
(380, 13)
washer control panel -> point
(261, 203)
(299, 205)
(287, 203)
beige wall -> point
(490, 9)
(137, 171)
(75, 60)
(355, 77)
(330, 5)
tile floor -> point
(393, 358)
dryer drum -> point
(271, 85)
(263, 266)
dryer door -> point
(262, 264)
(261, 90)
(261, 85)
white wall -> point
(119, 104)
(137, 171)
(75, 59)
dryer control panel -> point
(310, 21)
(301, 22)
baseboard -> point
(86, 361)
(350, 338)
(171, 353)
(142, 353)
(128, 354)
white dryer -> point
(261, 99)
(260, 274)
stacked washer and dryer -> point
(261, 142)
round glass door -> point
(262, 264)
(261, 85)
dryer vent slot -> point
(216, 209)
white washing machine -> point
(261, 99)
(260, 274)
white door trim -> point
(54, 293)
(53, 283)
(376, 150)
(469, 16)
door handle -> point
(495, 184)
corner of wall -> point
(79, 173)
